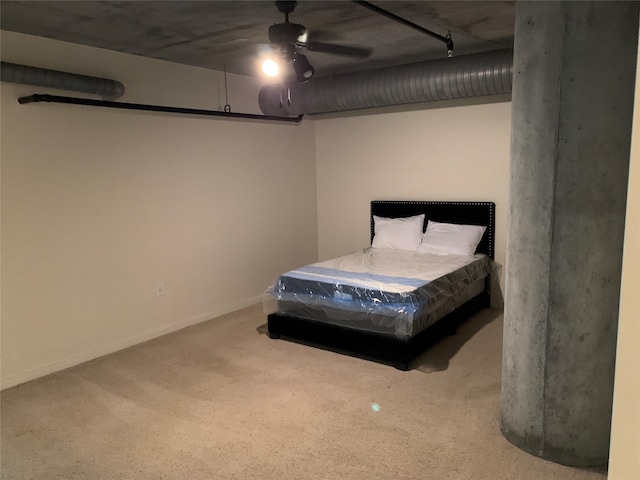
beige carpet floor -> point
(221, 400)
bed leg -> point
(273, 335)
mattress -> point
(387, 291)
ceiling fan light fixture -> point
(270, 67)
(304, 70)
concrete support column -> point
(573, 87)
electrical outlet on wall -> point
(160, 289)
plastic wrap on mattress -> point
(387, 291)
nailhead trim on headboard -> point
(486, 218)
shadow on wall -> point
(437, 357)
(497, 296)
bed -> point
(389, 302)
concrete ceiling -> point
(231, 34)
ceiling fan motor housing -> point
(285, 32)
(286, 7)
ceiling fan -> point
(290, 37)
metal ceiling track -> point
(38, 98)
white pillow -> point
(398, 233)
(451, 239)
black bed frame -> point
(387, 349)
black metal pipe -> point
(385, 13)
(36, 98)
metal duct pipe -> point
(474, 75)
(41, 77)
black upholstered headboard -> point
(465, 213)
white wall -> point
(441, 153)
(98, 205)
(624, 461)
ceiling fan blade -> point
(344, 50)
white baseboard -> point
(74, 360)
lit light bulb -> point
(270, 67)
